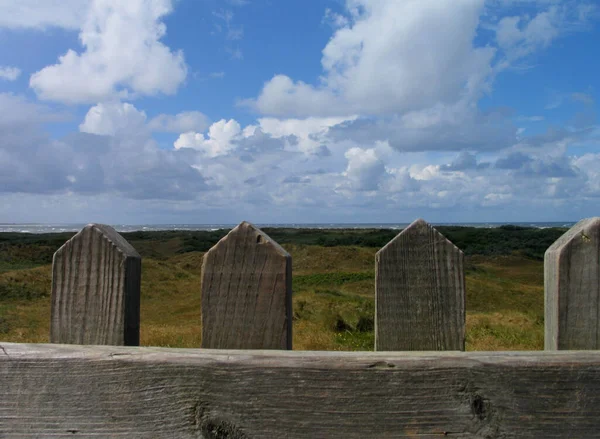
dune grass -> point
(333, 301)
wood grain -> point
(572, 288)
(247, 292)
(102, 391)
(96, 289)
(420, 292)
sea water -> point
(58, 228)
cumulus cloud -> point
(9, 73)
(219, 141)
(263, 173)
(390, 57)
(123, 56)
(400, 79)
(112, 119)
(365, 169)
(311, 132)
(304, 135)
(113, 153)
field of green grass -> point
(333, 286)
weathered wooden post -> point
(420, 292)
(247, 292)
(96, 289)
(572, 288)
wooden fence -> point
(245, 382)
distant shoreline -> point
(124, 228)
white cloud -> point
(112, 119)
(334, 19)
(281, 96)
(310, 132)
(180, 123)
(248, 172)
(412, 64)
(67, 14)
(519, 36)
(17, 113)
(220, 138)
(439, 128)
(590, 164)
(365, 169)
(307, 136)
(393, 57)
(114, 153)
(123, 56)
(9, 73)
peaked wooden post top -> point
(585, 230)
(259, 237)
(419, 292)
(110, 234)
(247, 292)
(572, 288)
(417, 226)
(96, 279)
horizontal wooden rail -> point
(108, 391)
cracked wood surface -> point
(112, 391)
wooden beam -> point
(104, 391)
(96, 279)
(419, 292)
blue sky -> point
(217, 111)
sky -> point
(299, 111)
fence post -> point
(247, 292)
(96, 289)
(419, 292)
(572, 288)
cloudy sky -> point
(217, 111)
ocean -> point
(58, 228)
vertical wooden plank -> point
(247, 292)
(572, 288)
(420, 292)
(96, 289)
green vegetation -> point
(333, 285)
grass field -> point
(333, 285)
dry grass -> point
(333, 301)
(310, 259)
(25, 322)
(309, 336)
(512, 331)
